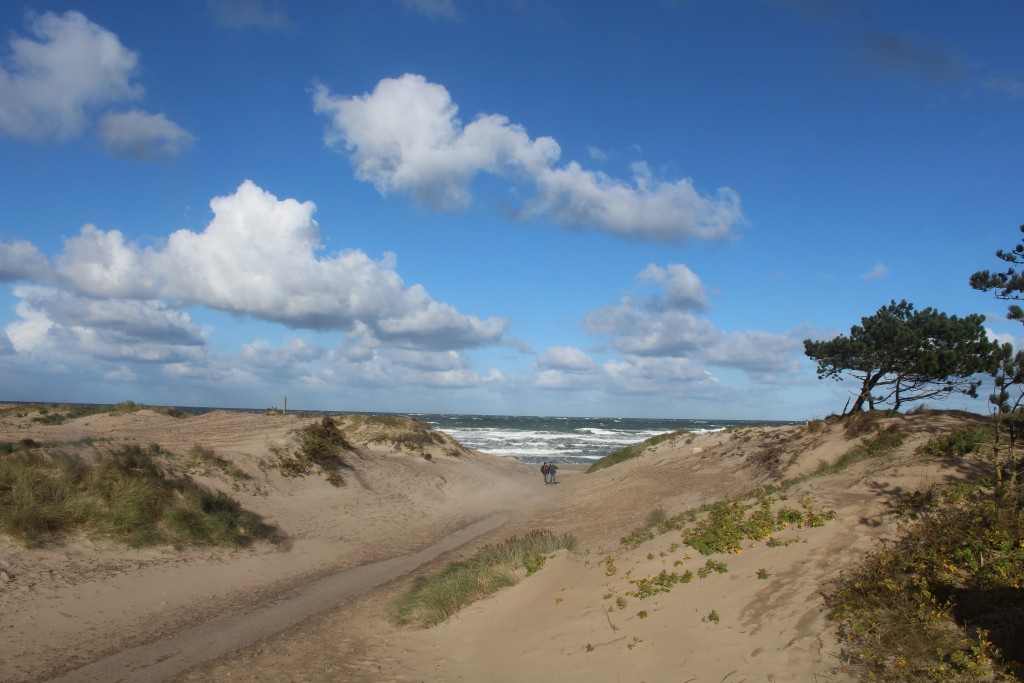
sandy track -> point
(76, 601)
(164, 658)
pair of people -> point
(548, 469)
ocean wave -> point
(562, 439)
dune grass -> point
(54, 414)
(432, 599)
(632, 451)
(404, 433)
(320, 446)
(124, 496)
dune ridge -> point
(577, 619)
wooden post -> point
(284, 411)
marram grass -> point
(124, 496)
(432, 599)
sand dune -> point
(574, 620)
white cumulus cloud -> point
(259, 256)
(406, 137)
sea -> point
(564, 439)
(536, 439)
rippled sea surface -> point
(562, 439)
(556, 439)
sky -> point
(523, 207)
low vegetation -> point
(124, 495)
(400, 432)
(722, 526)
(943, 601)
(432, 599)
(632, 451)
(883, 442)
(319, 449)
(54, 414)
(204, 460)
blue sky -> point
(498, 206)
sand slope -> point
(563, 623)
(67, 604)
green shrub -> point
(959, 443)
(943, 601)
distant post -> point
(284, 411)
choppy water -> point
(562, 439)
(555, 439)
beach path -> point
(168, 656)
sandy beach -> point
(312, 604)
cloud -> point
(645, 209)
(565, 367)
(1007, 85)
(406, 137)
(683, 289)
(59, 324)
(244, 14)
(565, 358)
(644, 333)
(1002, 337)
(51, 87)
(435, 9)
(122, 374)
(48, 84)
(655, 333)
(431, 360)
(139, 135)
(262, 354)
(258, 257)
(21, 260)
(876, 273)
(638, 375)
(901, 54)
(765, 357)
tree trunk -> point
(865, 391)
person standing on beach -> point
(545, 470)
(552, 468)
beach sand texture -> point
(313, 606)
